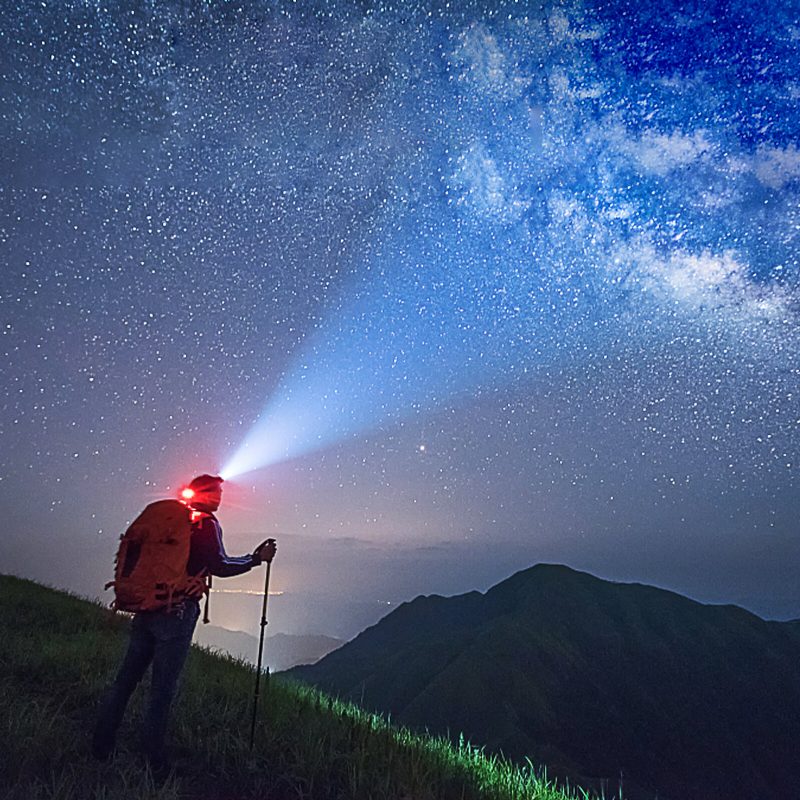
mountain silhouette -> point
(281, 650)
(605, 683)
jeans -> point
(163, 639)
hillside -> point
(596, 680)
(56, 653)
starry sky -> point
(447, 289)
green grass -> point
(57, 653)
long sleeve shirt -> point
(208, 553)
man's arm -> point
(208, 553)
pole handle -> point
(264, 544)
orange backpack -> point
(150, 567)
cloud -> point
(562, 29)
(775, 167)
(565, 87)
(486, 67)
(717, 282)
(567, 214)
(484, 189)
(661, 153)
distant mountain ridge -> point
(596, 679)
(282, 651)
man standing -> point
(162, 637)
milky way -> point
(501, 281)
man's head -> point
(207, 492)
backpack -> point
(150, 567)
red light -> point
(187, 493)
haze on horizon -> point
(481, 286)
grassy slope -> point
(57, 652)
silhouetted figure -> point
(162, 637)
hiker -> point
(163, 636)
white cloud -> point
(660, 153)
(589, 91)
(625, 211)
(775, 166)
(564, 88)
(704, 281)
(567, 212)
(558, 26)
(486, 66)
(483, 188)
(562, 29)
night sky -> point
(454, 288)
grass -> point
(57, 653)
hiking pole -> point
(260, 649)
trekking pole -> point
(260, 650)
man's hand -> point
(266, 551)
